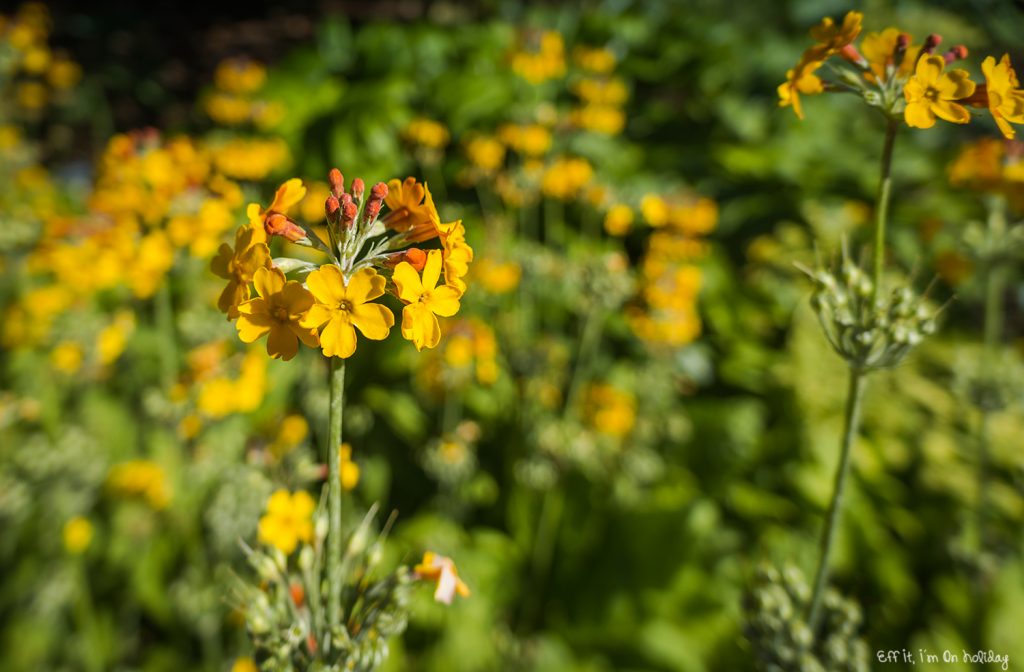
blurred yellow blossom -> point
(441, 570)
(349, 470)
(67, 357)
(565, 177)
(427, 133)
(618, 220)
(288, 520)
(931, 93)
(546, 62)
(1005, 97)
(293, 430)
(244, 664)
(610, 410)
(595, 59)
(497, 277)
(485, 153)
(78, 534)
(140, 478)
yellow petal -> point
(929, 68)
(432, 270)
(315, 316)
(219, 264)
(919, 115)
(373, 319)
(327, 285)
(365, 285)
(268, 281)
(338, 338)
(281, 343)
(252, 327)
(288, 194)
(296, 298)
(951, 112)
(955, 84)
(444, 301)
(407, 282)
(305, 334)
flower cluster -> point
(144, 479)
(368, 253)
(601, 95)
(907, 81)
(666, 313)
(38, 74)
(541, 58)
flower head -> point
(441, 569)
(289, 520)
(425, 300)
(412, 210)
(1005, 97)
(78, 534)
(343, 307)
(931, 93)
(238, 266)
(832, 37)
(456, 254)
(800, 80)
(274, 219)
(278, 312)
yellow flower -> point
(140, 478)
(238, 266)
(344, 307)
(244, 664)
(654, 210)
(112, 339)
(800, 80)
(598, 60)
(565, 177)
(78, 533)
(930, 93)
(611, 411)
(486, 153)
(63, 73)
(1005, 98)
(292, 432)
(278, 312)
(442, 570)
(529, 139)
(427, 132)
(349, 469)
(878, 49)
(456, 254)
(497, 277)
(618, 220)
(31, 95)
(425, 300)
(831, 37)
(289, 520)
(67, 357)
(239, 75)
(412, 210)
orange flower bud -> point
(357, 190)
(298, 594)
(416, 257)
(959, 52)
(279, 225)
(337, 181)
(333, 209)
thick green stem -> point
(851, 423)
(334, 493)
(882, 205)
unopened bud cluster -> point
(775, 608)
(867, 329)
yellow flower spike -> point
(931, 93)
(289, 520)
(238, 266)
(343, 308)
(425, 300)
(278, 312)
(1005, 97)
(442, 570)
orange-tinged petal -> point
(338, 338)
(373, 319)
(288, 194)
(407, 282)
(281, 343)
(952, 112)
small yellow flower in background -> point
(442, 570)
(497, 277)
(547, 62)
(154, 257)
(249, 158)
(293, 430)
(611, 411)
(931, 93)
(31, 95)
(239, 75)
(486, 153)
(278, 312)
(244, 664)
(190, 426)
(655, 210)
(427, 132)
(112, 338)
(565, 177)
(349, 469)
(1005, 97)
(238, 266)
(289, 520)
(618, 220)
(63, 73)
(78, 533)
(597, 60)
(67, 357)
(532, 140)
(425, 300)
(343, 308)
(140, 478)
(36, 60)
(312, 206)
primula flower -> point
(879, 49)
(289, 520)
(1005, 98)
(344, 307)
(412, 210)
(278, 311)
(456, 254)
(288, 194)
(441, 569)
(425, 301)
(238, 266)
(831, 37)
(800, 80)
(931, 93)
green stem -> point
(882, 206)
(551, 510)
(851, 423)
(335, 578)
(168, 335)
(589, 341)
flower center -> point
(345, 306)
(931, 93)
(280, 314)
